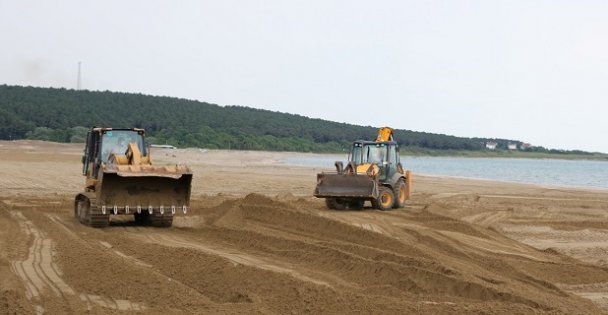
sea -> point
(551, 172)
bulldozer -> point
(121, 180)
(374, 172)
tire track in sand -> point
(56, 219)
(488, 218)
(40, 274)
(596, 292)
(235, 258)
(109, 248)
(37, 271)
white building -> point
(491, 145)
(512, 146)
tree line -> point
(64, 115)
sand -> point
(257, 242)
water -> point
(577, 173)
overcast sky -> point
(530, 70)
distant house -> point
(525, 146)
(491, 145)
(512, 146)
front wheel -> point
(385, 199)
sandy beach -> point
(255, 241)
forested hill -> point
(64, 115)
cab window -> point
(393, 159)
(117, 141)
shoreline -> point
(246, 158)
(405, 153)
(534, 185)
(523, 182)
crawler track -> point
(88, 213)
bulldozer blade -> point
(145, 189)
(342, 185)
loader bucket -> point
(149, 186)
(342, 185)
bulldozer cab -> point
(102, 142)
(384, 154)
(121, 179)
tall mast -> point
(78, 80)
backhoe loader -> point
(374, 172)
(121, 180)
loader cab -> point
(385, 154)
(102, 142)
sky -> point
(529, 70)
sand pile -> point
(410, 255)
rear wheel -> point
(335, 204)
(400, 192)
(385, 199)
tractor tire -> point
(385, 200)
(356, 204)
(400, 192)
(335, 204)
